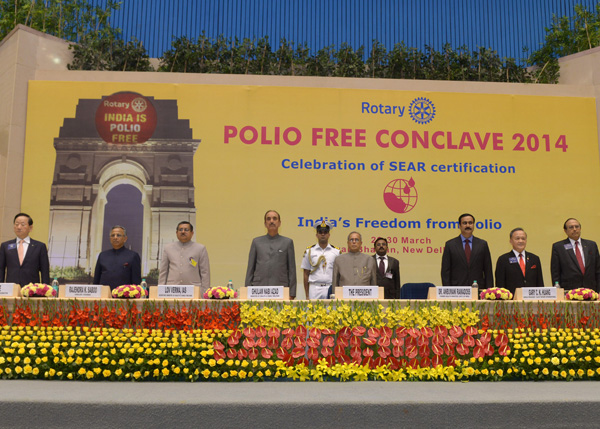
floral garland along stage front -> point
(299, 341)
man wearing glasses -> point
(118, 266)
(271, 261)
(317, 264)
(575, 262)
(354, 268)
(185, 262)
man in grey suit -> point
(185, 262)
(575, 262)
(271, 261)
(388, 270)
(466, 258)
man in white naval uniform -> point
(317, 264)
(271, 261)
(185, 262)
(354, 268)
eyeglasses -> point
(573, 226)
(183, 230)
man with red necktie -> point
(575, 262)
(518, 268)
(467, 258)
(388, 270)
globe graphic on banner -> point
(400, 195)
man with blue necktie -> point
(467, 258)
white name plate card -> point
(176, 291)
(265, 292)
(454, 292)
(538, 293)
(7, 289)
(360, 292)
(83, 291)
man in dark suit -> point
(388, 270)
(466, 258)
(518, 268)
(575, 262)
(24, 260)
(118, 266)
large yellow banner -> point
(397, 164)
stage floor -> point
(66, 404)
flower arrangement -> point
(581, 294)
(38, 290)
(496, 293)
(81, 353)
(129, 291)
(220, 292)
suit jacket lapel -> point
(571, 255)
(527, 264)
(584, 249)
(461, 249)
(15, 250)
(475, 248)
(30, 249)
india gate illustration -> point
(125, 159)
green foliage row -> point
(565, 36)
(70, 274)
(67, 19)
(98, 46)
(252, 56)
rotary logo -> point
(421, 110)
(400, 196)
(139, 104)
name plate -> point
(454, 292)
(7, 289)
(83, 291)
(175, 291)
(265, 292)
(360, 292)
(538, 293)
